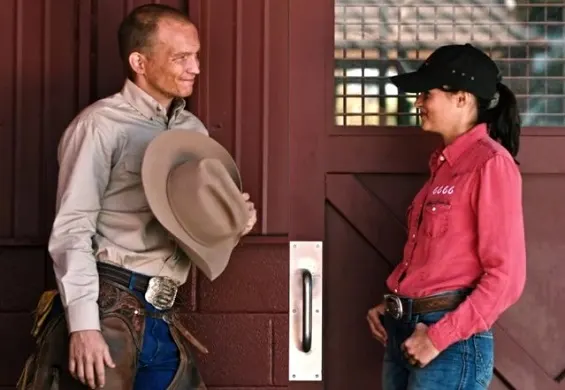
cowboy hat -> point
(193, 188)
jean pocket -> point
(432, 317)
(484, 357)
(388, 324)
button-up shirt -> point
(102, 213)
(466, 230)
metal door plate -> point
(305, 256)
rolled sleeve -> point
(502, 252)
(85, 160)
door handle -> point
(306, 311)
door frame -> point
(310, 74)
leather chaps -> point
(122, 317)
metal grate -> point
(375, 39)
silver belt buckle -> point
(393, 306)
(161, 292)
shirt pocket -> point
(435, 221)
(132, 164)
(131, 189)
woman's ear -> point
(463, 99)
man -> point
(102, 212)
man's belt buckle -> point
(161, 292)
(394, 306)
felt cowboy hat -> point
(193, 188)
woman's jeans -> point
(465, 365)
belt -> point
(399, 307)
(160, 291)
(124, 277)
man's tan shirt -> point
(102, 213)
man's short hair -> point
(138, 28)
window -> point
(375, 39)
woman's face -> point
(440, 111)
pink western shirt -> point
(465, 229)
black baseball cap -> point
(453, 67)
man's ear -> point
(137, 62)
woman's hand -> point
(377, 329)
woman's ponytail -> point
(503, 118)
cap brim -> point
(414, 82)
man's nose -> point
(194, 67)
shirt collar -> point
(453, 151)
(146, 105)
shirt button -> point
(396, 290)
(441, 158)
(433, 209)
(413, 236)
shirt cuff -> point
(83, 316)
(442, 335)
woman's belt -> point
(400, 307)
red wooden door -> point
(350, 187)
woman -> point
(464, 261)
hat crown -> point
(193, 188)
(206, 201)
(453, 67)
(463, 60)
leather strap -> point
(437, 303)
(415, 306)
(123, 277)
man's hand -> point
(418, 348)
(88, 352)
(375, 324)
(252, 212)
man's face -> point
(172, 61)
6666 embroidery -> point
(444, 190)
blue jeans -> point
(159, 357)
(465, 365)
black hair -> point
(137, 30)
(503, 120)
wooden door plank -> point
(518, 367)
(374, 221)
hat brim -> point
(164, 152)
(418, 81)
